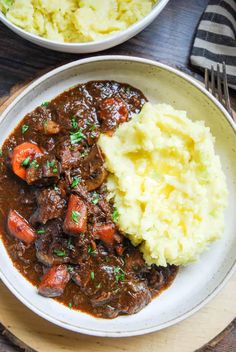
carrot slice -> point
(76, 216)
(24, 153)
(105, 232)
(54, 281)
(20, 228)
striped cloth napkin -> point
(215, 40)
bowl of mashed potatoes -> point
(79, 26)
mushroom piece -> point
(92, 169)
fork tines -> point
(216, 83)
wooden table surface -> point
(168, 39)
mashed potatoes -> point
(75, 20)
(167, 184)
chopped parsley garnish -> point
(45, 104)
(95, 199)
(75, 215)
(99, 285)
(24, 128)
(75, 182)
(93, 127)
(92, 275)
(41, 231)
(70, 245)
(50, 163)
(93, 135)
(70, 269)
(34, 164)
(115, 215)
(55, 170)
(119, 274)
(83, 154)
(91, 251)
(74, 123)
(77, 137)
(26, 161)
(116, 290)
(59, 253)
(70, 305)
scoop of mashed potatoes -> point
(75, 20)
(167, 184)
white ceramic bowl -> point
(195, 284)
(90, 47)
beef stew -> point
(57, 224)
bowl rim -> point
(232, 269)
(139, 25)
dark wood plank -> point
(168, 39)
(224, 342)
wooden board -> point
(27, 329)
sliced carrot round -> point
(24, 153)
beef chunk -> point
(134, 262)
(68, 154)
(134, 297)
(111, 112)
(158, 277)
(45, 170)
(51, 205)
(43, 122)
(52, 247)
(101, 299)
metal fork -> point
(217, 84)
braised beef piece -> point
(112, 112)
(106, 283)
(52, 247)
(51, 205)
(68, 154)
(158, 277)
(134, 297)
(97, 213)
(134, 262)
(44, 170)
(38, 117)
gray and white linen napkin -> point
(215, 40)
